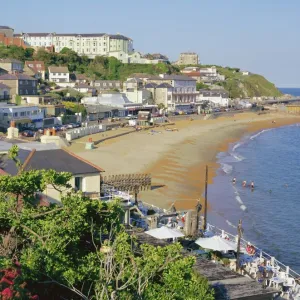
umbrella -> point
(216, 243)
(165, 233)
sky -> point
(260, 36)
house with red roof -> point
(35, 69)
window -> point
(78, 183)
(23, 113)
(65, 74)
(5, 114)
(59, 74)
(26, 92)
(15, 114)
(34, 112)
(54, 74)
(21, 82)
(21, 91)
(28, 113)
(33, 83)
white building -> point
(176, 92)
(245, 73)
(94, 44)
(59, 74)
(135, 58)
(217, 97)
(210, 75)
(22, 114)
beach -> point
(176, 159)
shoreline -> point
(177, 160)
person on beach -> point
(234, 180)
(252, 185)
(244, 183)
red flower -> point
(6, 280)
(7, 293)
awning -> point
(22, 121)
(216, 243)
(165, 233)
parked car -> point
(131, 117)
(28, 133)
(57, 127)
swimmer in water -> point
(244, 183)
(234, 180)
(252, 185)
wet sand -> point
(176, 160)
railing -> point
(259, 252)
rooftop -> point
(176, 77)
(230, 285)
(16, 77)
(61, 69)
(150, 85)
(59, 160)
(4, 27)
(10, 60)
(41, 34)
(164, 85)
(35, 65)
(111, 99)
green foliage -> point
(60, 248)
(16, 52)
(73, 107)
(240, 86)
(18, 99)
(201, 85)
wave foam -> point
(230, 224)
(259, 133)
(237, 157)
(236, 146)
(243, 207)
(226, 168)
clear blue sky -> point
(261, 36)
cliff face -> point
(252, 85)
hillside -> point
(252, 85)
(109, 68)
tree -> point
(201, 85)
(80, 250)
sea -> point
(270, 213)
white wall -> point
(83, 131)
(219, 101)
(56, 77)
(138, 96)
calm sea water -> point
(270, 214)
(290, 91)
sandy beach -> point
(176, 159)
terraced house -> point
(90, 44)
(20, 84)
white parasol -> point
(216, 243)
(165, 233)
